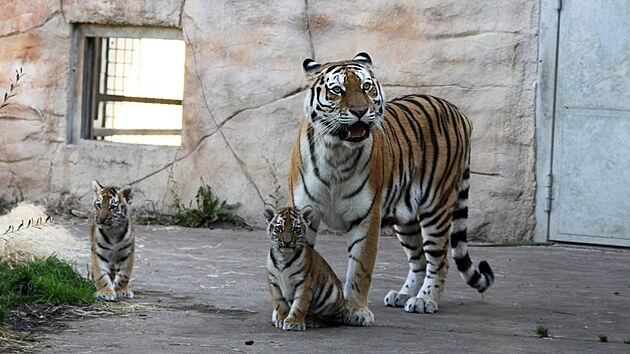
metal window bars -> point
(108, 62)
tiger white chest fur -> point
(286, 280)
(337, 191)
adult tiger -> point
(363, 163)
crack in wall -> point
(11, 161)
(218, 130)
(63, 13)
(22, 31)
(219, 126)
(308, 29)
(463, 87)
(51, 167)
(181, 13)
(490, 174)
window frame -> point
(89, 37)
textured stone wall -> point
(244, 89)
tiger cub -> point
(112, 238)
(304, 289)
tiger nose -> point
(358, 112)
(102, 216)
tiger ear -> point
(311, 67)
(127, 192)
(268, 212)
(364, 58)
(96, 187)
(307, 213)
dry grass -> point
(28, 234)
(19, 335)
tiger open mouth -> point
(355, 132)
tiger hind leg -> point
(436, 229)
(410, 237)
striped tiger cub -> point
(304, 289)
(364, 163)
(112, 238)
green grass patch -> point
(50, 281)
(542, 331)
(603, 338)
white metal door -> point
(591, 143)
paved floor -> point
(202, 290)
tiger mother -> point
(364, 163)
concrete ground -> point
(204, 291)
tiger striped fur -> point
(363, 163)
(113, 242)
(304, 289)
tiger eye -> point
(367, 86)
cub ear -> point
(96, 187)
(127, 192)
(364, 58)
(268, 211)
(311, 67)
(307, 213)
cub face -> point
(287, 227)
(111, 204)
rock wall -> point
(244, 89)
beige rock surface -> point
(244, 90)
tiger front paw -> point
(292, 324)
(278, 323)
(358, 316)
(395, 299)
(105, 295)
(124, 294)
(418, 304)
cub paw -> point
(124, 294)
(278, 323)
(105, 295)
(293, 325)
(395, 299)
(420, 305)
(361, 316)
(274, 318)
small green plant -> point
(50, 281)
(542, 331)
(209, 210)
(7, 95)
(602, 338)
(626, 341)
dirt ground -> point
(204, 291)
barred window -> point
(133, 88)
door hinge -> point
(558, 5)
(548, 192)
